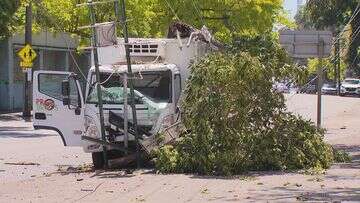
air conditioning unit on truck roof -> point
(167, 50)
(155, 50)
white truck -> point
(160, 67)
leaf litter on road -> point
(22, 163)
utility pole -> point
(131, 78)
(28, 73)
(338, 66)
(321, 48)
(335, 62)
(97, 73)
(125, 84)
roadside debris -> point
(317, 179)
(298, 185)
(86, 190)
(286, 184)
(140, 199)
(22, 163)
(89, 190)
(66, 170)
(71, 169)
(205, 191)
(302, 197)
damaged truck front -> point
(160, 67)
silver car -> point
(329, 88)
(350, 86)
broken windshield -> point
(153, 86)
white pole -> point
(126, 136)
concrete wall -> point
(4, 79)
(48, 39)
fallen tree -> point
(236, 122)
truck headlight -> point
(91, 130)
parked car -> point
(350, 86)
(329, 88)
(309, 89)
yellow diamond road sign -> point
(27, 55)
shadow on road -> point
(354, 151)
(10, 117)
(8, 128)
(347, 148)
(21, 132)
(332, 195)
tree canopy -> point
(336, 15)
(225, 18)
(235, 122)
(303, 19)
(151, 18)
(329, 13)
(7, 10)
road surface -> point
(43, 182)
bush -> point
(341, 156)
(235, 123)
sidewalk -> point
(14, 125)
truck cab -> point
(160, 69)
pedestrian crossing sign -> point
(27, 55)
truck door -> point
(49, 111)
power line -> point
(197, 10)
(172, 10)
(67, 44)
(356, 33)
(357, 10)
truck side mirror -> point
(65, 91)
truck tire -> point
(98, 160)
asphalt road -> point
(44, 182)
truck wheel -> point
(98, 160)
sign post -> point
(27, 55)
(309, 44)
(320, 83)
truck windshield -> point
(153, 86)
